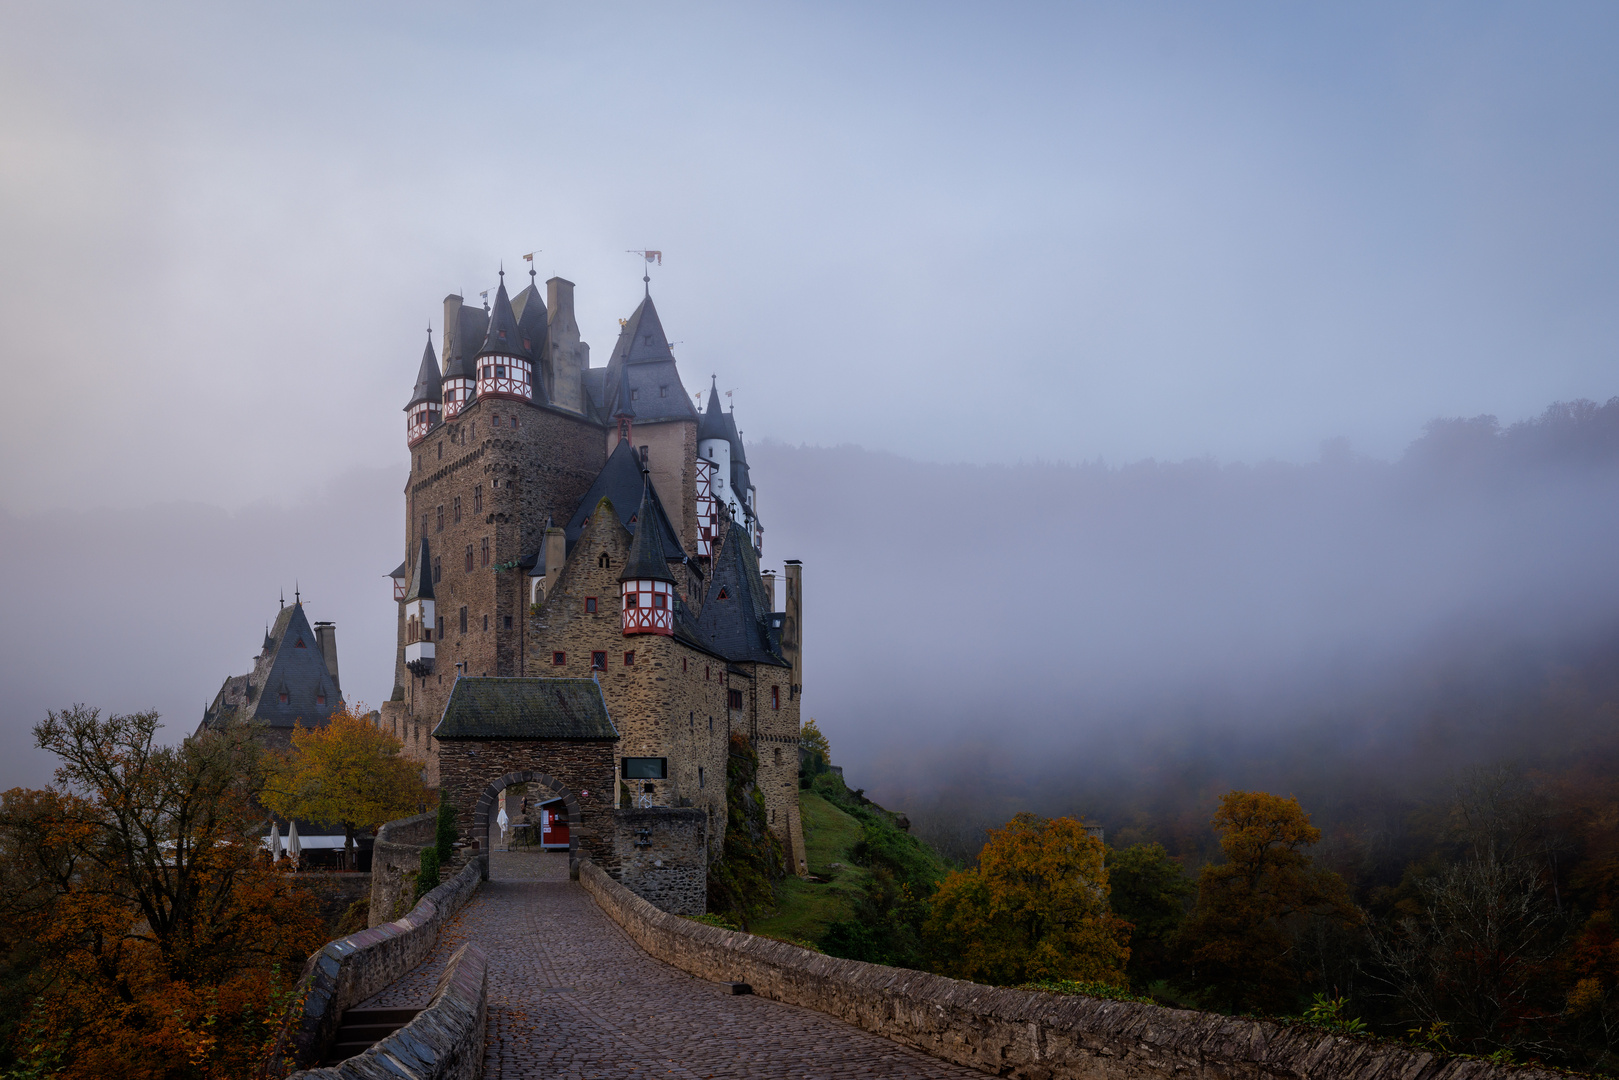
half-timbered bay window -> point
(506, 375)
(423, 418)
(648, 607)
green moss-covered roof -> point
(483, 708)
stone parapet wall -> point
(349, 970)
(1016, 1033)
(396, 856)
(661, 855)
(444, 1042)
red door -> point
(554, 825)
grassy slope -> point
(807, 909)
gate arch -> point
(480, 811)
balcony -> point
(419, 657)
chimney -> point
(326, 638)
(559, 304)
(452, 319)
(791, 627)
(769, 577)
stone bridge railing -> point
(347, 971)
(1016, 1033)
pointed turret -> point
(643, 360)
(534, 330)
(423, 411)
(505, 363)
(419, 622)
(624, 413)
(646, 585)
(464, 331)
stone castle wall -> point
(661, 855)
(395, 861)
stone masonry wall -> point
(669, 703)
(444, 1042)
(395, 861)
(661, 855)
(508, 480)
(349, 970)
(584, 769)
(1019, 1034)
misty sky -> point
(957, 233)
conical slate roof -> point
(503, 338)
(533, 322)
(297, 668)
(738, 626)
(421, 580)
(429, 384)
(647, 561)
(471, 327)
(643, 349)
(622, 483)
(711, 421)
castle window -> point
(320, 697)
(659, 600)
(702, 779)
(486, 624)
(630, 599)
(707, 671)
(495, 419)
(635, 395)
(513, 422)
(300, 644)
(605, 561)
(282, 697)
(463, 620)
(440, 520)
(775, 702)
(629, 658)
(646, 768)
(777, 756)
(441, 451)
(663, 391)
(724, 595)
(441, 638)
(424, 525)
(598, 661)
(711, 725)
(644, 451)
(590, 605)
(682, 665)
(508, 623)
(486, 551)
(559, 658)
(438, 570)
(469, 558)
(477, 499)
(733, 698)
(455, 514)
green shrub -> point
(446, 830)
(427, 877)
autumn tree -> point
(1240, 938)
(158, 928)
(811, 739)
(1149, 890)
(348, 772)
(1035, 907)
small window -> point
(629, 658)
(441, 451)
(559, 658)
(513, 422)
(590, 605)
(424, 526)
(733, 698)
(724, 595)
(495, 420)
(300, 644)
(438, 571)
(598, 661)
(282, 697)
(485, 551)
(320, 697)
(463, 620)
(646, 768)
(659, 600)
(644, 452)
(456, 513)
(486, 624)
(776, 754)
(477, 499)
(635, 395)
(440, 520)
(469, 558)
(604, 561)
(702, 780)
(441, 636)
(631, 600)
(507, 623)
(775, 703)
(682, 665)
(707, 672)
(663, 391)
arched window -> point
(605, 561)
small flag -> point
(530, 256)
(649, 256)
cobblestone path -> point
(571, 996)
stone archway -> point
(480, 811)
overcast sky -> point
(959, 232)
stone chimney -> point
(769, 577)
(326, 637)
(569, 356)
(792, 640)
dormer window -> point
(320, 697)
(663, 391)
(282, 697)
(300, 644)
(724, 595)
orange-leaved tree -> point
(1035, 908)
(155, 937)
(349, 772)
(1240, 940)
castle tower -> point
(464, 331)
(714, 446)
(419, 616)
(505, 364)
(534, 331)
(646, 586)
(423, 412)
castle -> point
(570, 527)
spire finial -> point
(296, 598)
(283, 597)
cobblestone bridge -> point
(570, 996)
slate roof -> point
(503, 338)
(294, 666)
(739, 627)
(711, 421)
(499, 708)
(429, 385)
(421, 578)
(646, 560)
(644, 349)
(620, 483)
(533, 322)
